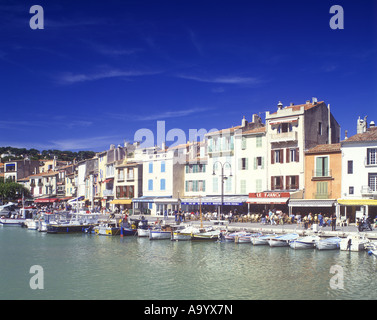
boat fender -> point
(370, 252)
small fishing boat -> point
(354, 243)
(163, 232)
(143, 228)
(230, 237)
(283, 240)
(262, 240)
(79, 222)
(331, 243)
(307, 242)
(108, 228)
(246, 238)
(206, 235)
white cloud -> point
(223, 79)
(70, 78)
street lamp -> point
(223, 177)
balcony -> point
(108, 193)
(318, 175)
(325, 195)
(367, 191)
(284, 136)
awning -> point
(145, 199)
(358, 202)
(284, 120)
(76, 199)
(267, 200)
(311, 203)
(46, 200)
(166, 200)
(121, 201)
(216, 200)
(108, 180)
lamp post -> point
(223, 177)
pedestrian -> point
(333, 223)
(320, 219)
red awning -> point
(46, 200)
(108, 180)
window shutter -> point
(272, 183)
(262, 162)
(281, 155)
(281, 183)
(255, 163)
(297, 154)
(272, 157)
(287, 184)
(287, 155)
(297, 182)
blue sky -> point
(101, 70)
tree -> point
(10, 190)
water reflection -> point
(100, 267)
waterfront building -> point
(323, 179)
(359, 172)
(128, 182)
(230, 164)
(91, 183)
(19, 169)
(43, 187)
(290, 131)
(163, 180)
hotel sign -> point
(269, 195)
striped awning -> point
(311, 202)
(357, 202)
(267, 200)
(121, 201)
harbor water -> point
(88, 266)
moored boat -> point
(262, 239)
(331, 243)
(246, 238)
(353, 243)
(109, 228)
(205, 235)
(283, 240)
(307, 242)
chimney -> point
(372, 124)
(244, 122)
(346, 135)
(307, 101)
(314, 100)
(256, 118)
(362, 125)
(280, 105)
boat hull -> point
(128, 232)
(328, 244)
(53, 229)
(142, 232)
(180, 236)
(301, 245)
(206, 236)
(356, 244)
(12, 222)
(159, 235)
(262, 240)
(107, 231)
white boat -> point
(354, 243)
(262, 240)
(143, 229)
(32, 224)
(205, 235)
(158, 234)
(163, 232)
(184, 234)
(331, 243)
(307, 242)
(246, 238)
(283, 240)
(230, 237)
